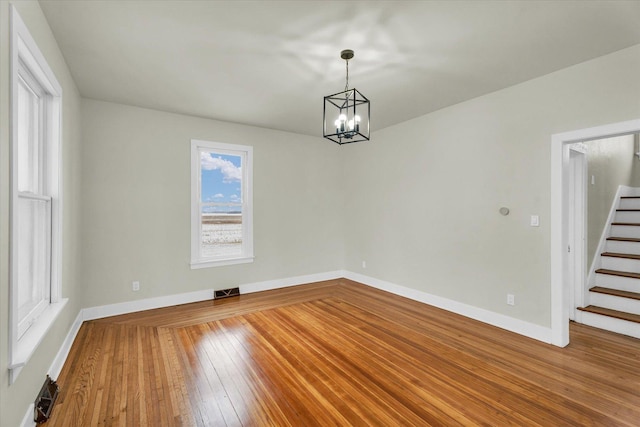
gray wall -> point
(423, 197)
(611, 162)
(15, 399)
(136, 201)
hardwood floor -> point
(338, 353)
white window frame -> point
(27, 61)
(246, 152)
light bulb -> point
(342, 118)
(357, 119)
(351, 124)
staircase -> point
(614, 294)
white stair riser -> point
(627, 305)
(617, 282)
(625, 231)
(629, 204)
(620, 326)
(620, 264)
(627, 216)
(623, 247)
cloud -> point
(230, 172)
(218, 196)
(234, 197)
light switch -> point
(535, 221)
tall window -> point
(221, 211)
(36, 220)
(33, 239)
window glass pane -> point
(28, 122)
(33, 254)
(221, 201)
(220, 177)
(221, 231)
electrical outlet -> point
(135, 286)
(535, 221)
(364, 264)
(511, 299)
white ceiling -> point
(269, 63)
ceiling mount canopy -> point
(346, 114)
(347, 54)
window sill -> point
(29, 342)
(219, 263)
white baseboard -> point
(102, 311)
(291, 281)
(56, 365)
(505, 322)
(63, 352)
(27, 421)
(521, 327)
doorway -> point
(562, 264)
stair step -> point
(620, 260)
(625, 228)
(618, 273)
(622, 245)
(618, 255)
(627, 213)
(624, 239)
(611, 313)
(629, 203)
(616, 292)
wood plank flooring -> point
(338, 353)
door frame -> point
(561, 276)
(577, 227)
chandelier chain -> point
(346, 86)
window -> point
(33, 221)
(35, 196)
(221, 211)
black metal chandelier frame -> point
(349, 107)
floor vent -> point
(226, 293)
(45, 400)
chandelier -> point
(346, 114)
